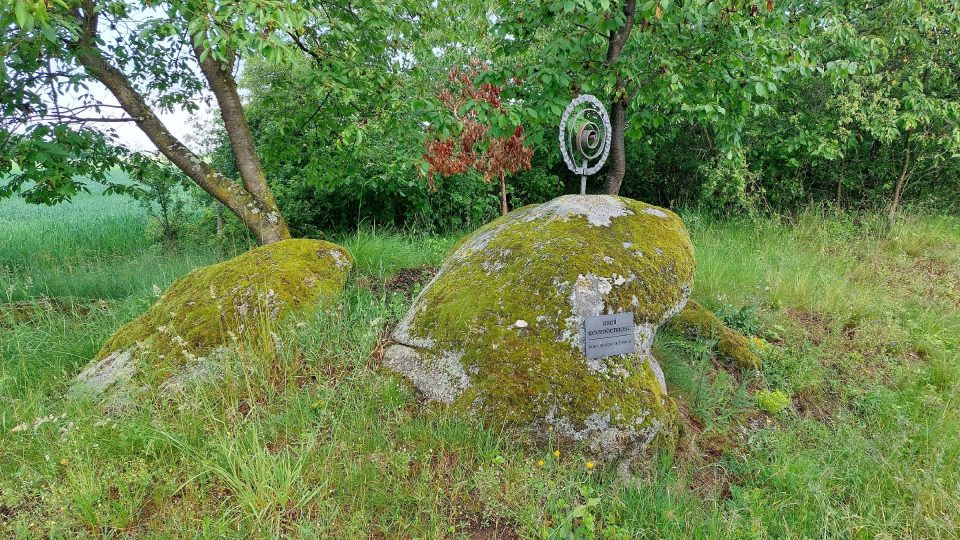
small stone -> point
(521, 323)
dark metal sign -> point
(608, 335)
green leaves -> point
(761, 88)
(52, 164)
(20, 12)
(682, 62)
(778, 93)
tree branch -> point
(253, 213)
(61, 118)
(299, 131)
(303, 47)
(220, 78)
(630, 10)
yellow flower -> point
(539, 463)
(759, 343)
(589, 464)
(556, 453)
(63, 461)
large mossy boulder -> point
(210, 309)
(500, 329)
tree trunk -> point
(708, 137)
(898, 188)
(618, 155)
(843, 172)
(616, 41)
(224, 87)
(219, 220)
(503, 197)
(261, 216)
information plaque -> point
(607, 335)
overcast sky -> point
(181, 123)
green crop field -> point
(849, 431)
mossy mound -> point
(697, 321)
(214, 307)
(500, 329)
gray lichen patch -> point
(598, 210)
(202, 371)
(499, 330)
(440, 377)
(656, 212)
(115, 368)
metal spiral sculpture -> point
(585, 137)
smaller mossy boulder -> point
(212, 308)
(696, 321)
(500, 328)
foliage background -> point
(744, 111)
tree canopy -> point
(327, 110)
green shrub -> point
(773, 402)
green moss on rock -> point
(697, 321)
(500, 328)
(217, 305)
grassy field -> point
(859, 329)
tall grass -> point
(308, 436)
(842, 264)
(93, 247)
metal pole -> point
(583, 180)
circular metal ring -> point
(585, 135)
(589, 138)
